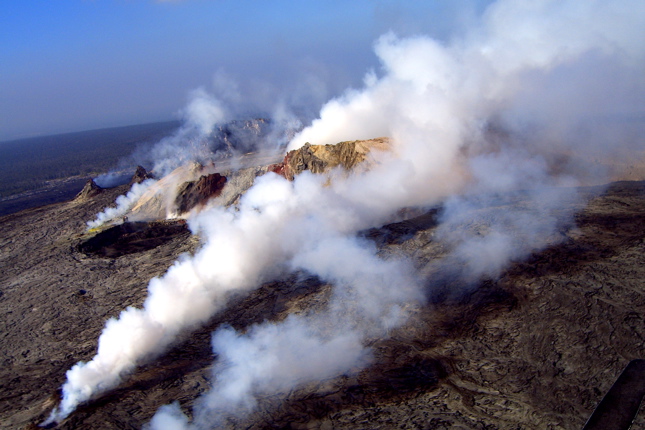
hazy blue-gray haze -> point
(84, 65)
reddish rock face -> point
(279, 168)
(198, 192)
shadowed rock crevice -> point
(197, 193)
(131, 237)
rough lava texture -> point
(535, 348)
(54, 297)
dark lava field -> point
(536, 348)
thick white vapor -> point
(123, 204)
(431, 91)
(370, 296)
(209, 133)
(192, 141)
(464, 133)
(189, 143)
(513, 208)
(204, 112)
(243, 247)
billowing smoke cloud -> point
(274, 223)
(371, 295)
(369, 298)
(470, 128)
(543, 70)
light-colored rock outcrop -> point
(157, 202)
(322, 158)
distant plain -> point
(49, 169)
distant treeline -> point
(26, 164)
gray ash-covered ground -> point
(536, 348)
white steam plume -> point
(444, 106)
(210, 134)
(123, 204)
(189, 143)
(370, 296)
(274, 222)
(192, 141)
(437, 101)
(513, 208)
(199, 140)
(521, 47)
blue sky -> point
(75, 65)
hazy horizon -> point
(80, 66)
(37, 137)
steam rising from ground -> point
(207, 136)
(470, 128)
(370, 297)
(192, 142)
(123, 204)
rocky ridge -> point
(194, 185)
(322, 158)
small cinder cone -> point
(140, 175)
(89, 190)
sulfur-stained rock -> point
(322, 158)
